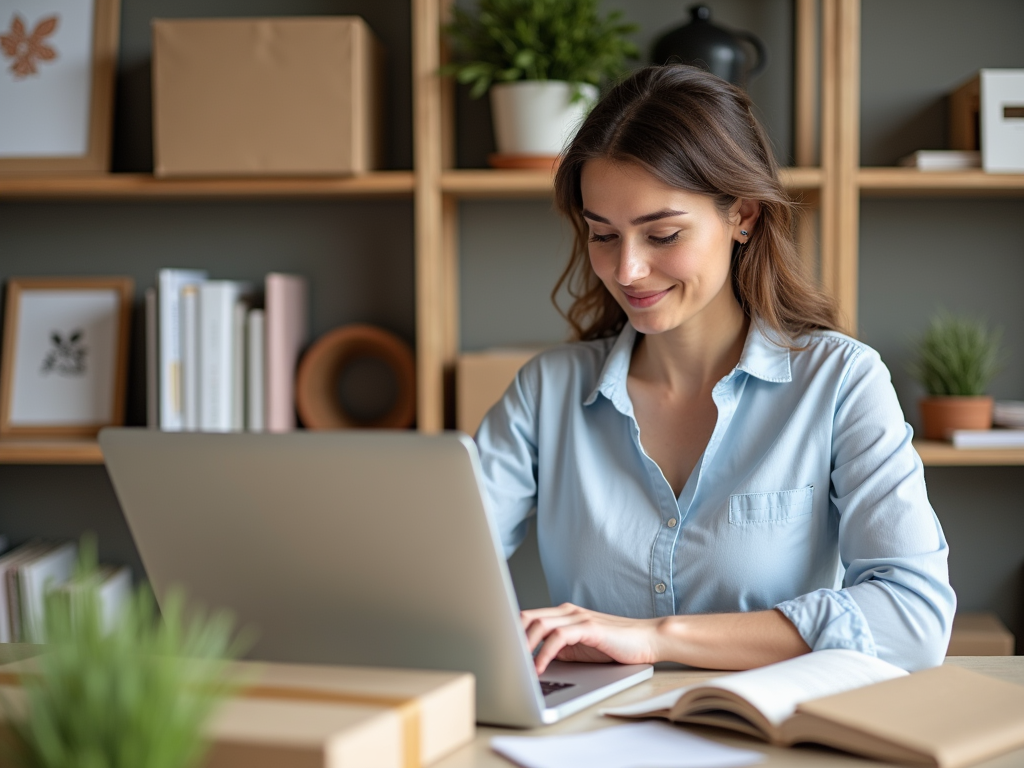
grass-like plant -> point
(508, 40)
(958, 356)
(132, 695)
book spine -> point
(287, 327)
(216, 312)
(152, 362)
(170, 283)
(256, 373)
(239, 320)
(190, 358)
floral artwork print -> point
(25, 49)
(66, 357)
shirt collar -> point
(764, 356)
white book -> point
(152, 362)
(113, 589)
(189, 366)
(979, 439)
(238, 353)
(9, 602)
(217, 299)
(36, 577)
(256, 373)
(942, 159)
(169, 285)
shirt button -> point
(659, 588)
(672, 522)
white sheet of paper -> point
(637, 745)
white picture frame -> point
(64, 361)
(58, 62)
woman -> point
(719, 477)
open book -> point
(944, 717)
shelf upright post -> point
(828, 203)
(840, 153)
(848, 160)
(428, 215)
(449, 233)
(805, 144)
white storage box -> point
(988, 110)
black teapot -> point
(718, 50)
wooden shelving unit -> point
(828, 180)
(50, 451)
(133, 186)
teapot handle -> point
(762, 53)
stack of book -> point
(218, 361)
(28, 572)
(942, 160)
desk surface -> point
(478, 754)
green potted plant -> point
(956, 360)
(542, 61)
(130, 692)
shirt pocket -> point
(776, 507)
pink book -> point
(286, 328)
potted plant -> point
(957, 359)
(132, 691)
(542, 61)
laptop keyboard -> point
(547, 687)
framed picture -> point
(58, 60)
(64, 361)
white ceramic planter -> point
(537, 117)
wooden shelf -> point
(50, 451)
(935, 453)
(899, 182)
(132, 186)
(504, 185)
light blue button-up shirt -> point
(809, 496)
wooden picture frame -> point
(106, 23)
(64, 361)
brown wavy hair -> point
(694, 131)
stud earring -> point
(744, 232)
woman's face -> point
(662, 252)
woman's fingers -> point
(539, 629)
(565, 638)
(540, 613)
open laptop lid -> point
(369, 548)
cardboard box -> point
(481, 378)
(306, 716)
(987, 113)
(980, 634)
(266, 97)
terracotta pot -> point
(941, 415)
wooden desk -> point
(479, 755)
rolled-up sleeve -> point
(507, 440)
(896, 602)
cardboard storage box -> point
(306, 716)
(481, 378)
(987, 113)
(980, 634)
(263, 97)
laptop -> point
(357, 547)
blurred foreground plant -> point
(135, 694)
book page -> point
(777, 689)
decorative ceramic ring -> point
(324, 362)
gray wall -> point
(916, 255)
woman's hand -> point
(571, 633)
